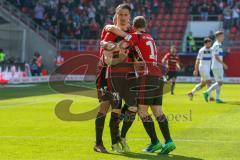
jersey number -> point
(150, 44)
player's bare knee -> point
(143, 113)
(118, 111)
(157, 110)
(104, 107)
(162, 118)
(145, 117)
(133, 109)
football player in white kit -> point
(217, 67)
(202, 66)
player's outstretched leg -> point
(150, 129)
(99, 126)
(169, 144)
(163, 125)
(173, 86)
(218, 90)
(128, 119)
(196, 88)
(211, 98)
(114, 130)
(206, 94)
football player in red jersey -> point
(150, 82)
(104, 95)
(108, 44)
(172, 61)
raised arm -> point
(110, 60)
(114, 29)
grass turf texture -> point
(29, 128)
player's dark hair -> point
(207, 40)
(139, 22)
(124, 6)
(218, 33)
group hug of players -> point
(128, 72)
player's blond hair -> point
(218, 33)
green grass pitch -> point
(29, 128)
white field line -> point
(130, 139)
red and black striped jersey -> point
(146, 50)
(172, 61)
(111, 37)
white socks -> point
(197, 88)
(216, 87)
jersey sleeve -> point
(178, 59)
(166, 57)
(200, 54)
(215, 50)
(109, 37)
(103, 33)
(132, 39)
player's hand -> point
(195, 73)
(109, 46)
(225, 66)
(178, 68)
(123, 53)
(123, 45)
(114, 29)
(109, 27)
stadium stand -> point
(82, 19)
(227, 11)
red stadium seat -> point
(161, 11)
(178, 36)
(185, 4)
(174, 17)
(173, 23)
(164, 29)
(183, 10)
(179, 29)
(176, 10)
(160, 17)
(182, 17)
(156, 23)
(177, 43)
(162, 36)
(181, 23)
(160, 44)
(172, 29)
(167, 44)
(169, 36)
(167, 17)
(177, 4)
(165, 23)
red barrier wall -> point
(233, 61)
(76, 62)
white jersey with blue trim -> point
(217, 49)
(205, 56)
